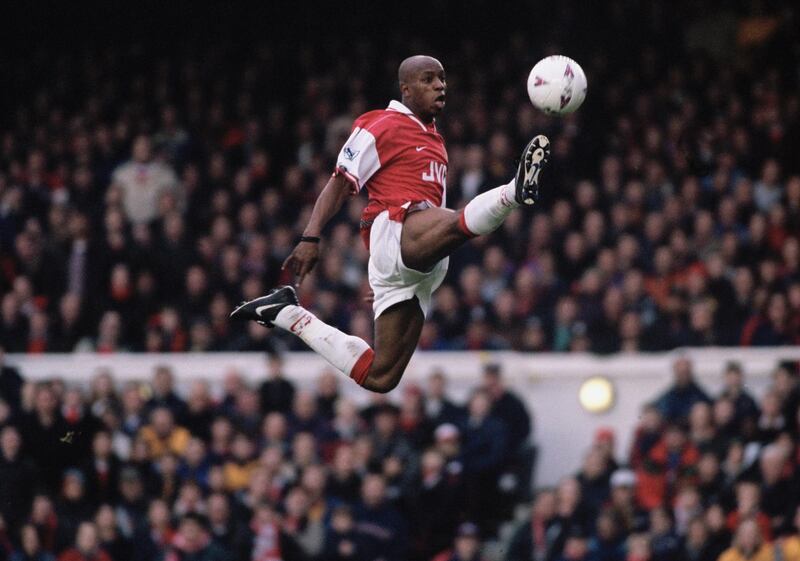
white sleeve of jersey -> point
(358, 159)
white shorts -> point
(391, 281)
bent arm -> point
(328, 204)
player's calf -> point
(487, 211)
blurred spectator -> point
(144, 182)
(466, 546)
(276, 393)
(162, 435)
(748, 544)
(193, 543)
(17, 479)
(87, 546)
(10, 384)
(671, 463)
(676, 403)
(482, 452)
(734, 389)
(30, 548)
(381, 527)
(438, 407)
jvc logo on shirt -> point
(350, 154)
(436, 174)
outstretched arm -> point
(330, 201)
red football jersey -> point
(398, 159)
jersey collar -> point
(395, 105)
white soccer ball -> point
(557, 85)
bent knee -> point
(383, 380)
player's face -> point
(428, 90)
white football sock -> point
(486, 212)
(347, 353)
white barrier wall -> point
(548, 383)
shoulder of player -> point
(381, 120)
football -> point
(557, 85)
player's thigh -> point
(428, 236)
(397, 332)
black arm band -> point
(309, 239)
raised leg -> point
(397, 332)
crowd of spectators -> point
(228, 472)
(707, 478)
(144, 194)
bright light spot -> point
(596, 394)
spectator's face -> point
(30, 539)
(385, 423)
(192, 533)
(131, 489)
(467, 547)
(436, 386)
(479, 406)
(305, 405)
(162, 382)
(594, 465)
(247, 402)
(297, 503)
(747, 497)
(674, 438)
(232, 382)
(659, 522)
(105, 519)
(141, 149)
(748, 536)
(73, 488)
(700, 415)
(622, 495)
(682, 369)
(41, 510)
(344, 460)
(304, 449)
(733, 380)
(723, 412)
(432, 463)
(342, 521)
(708, 467)
(275, 426)
(10, 442)
(568, 494)
(132, 400)
(158, 514)
(639, 547)
(697, 533)
(195, 452)
(575, 548)
(314, 479)
(328, 384)
(45, 401)
(607, 527)
(162, 421)
(545, 505)
(771, 464)
(101, 445)
(242, 448)
(373, 490)
(651, 419)
(86, 539)
(218, 510)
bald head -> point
(413, 66)
(422, 85)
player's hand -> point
(302, 260)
